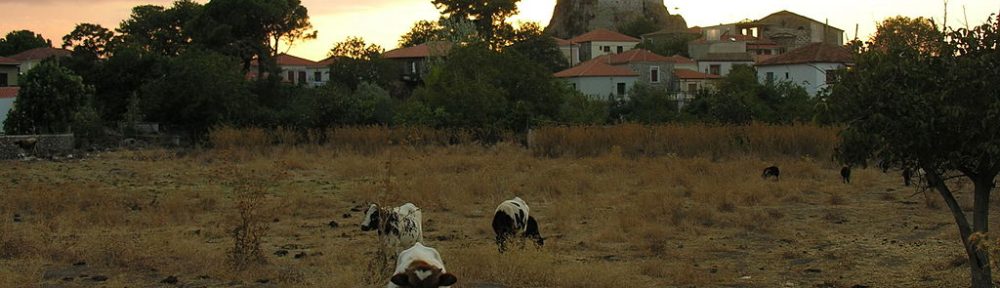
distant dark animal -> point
(884, 166)
(401, 225)
(907, 176)
(772, 171)
(420, 267)
(512, 219)
(27, 144)
(845, 174)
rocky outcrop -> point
(574, 17)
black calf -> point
(845, 174)
(772, 171)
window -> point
(621, 89)
(318, 76)
(786, 76)
(291, 76)
(654, 74)
(715, 69)
(573, 85)
(302, 77)
(770, 76)
(3, 80)
(413, 67)
(693, 87)
(621, 49)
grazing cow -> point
(27, 144)
(512, 219)
(772, 171)
(401, 225)
(420, 267)
(845, 174)
(920, 175)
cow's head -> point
(371, 219)
(532, 232)
(422, 275)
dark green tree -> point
(932, 106)
(20, 41)
(638, 26)
(50, 96)
(158, 30)
(648, 104)
(490, 17)
(90, 41)
(199, 89)
(356, 62)
(538, 47)
(423, 31)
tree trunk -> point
(979, 263)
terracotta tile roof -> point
(595, 68)
(812, 53)
(419, 51)
(326, 62)
(603, 35)
(678, 59)
(691, 74)
(9, 92)
(727, 57)
(41, 53)
(289, 60)
(9, 61)
(562, 42)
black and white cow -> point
(420, 267)
(512, 219)
(400, 226)
(772, 171)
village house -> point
(8, 87)
(413, 62)
(689, 82)
(569, 50)
(299, 71)
(811, 67)
(602, 42)
(599, 80)
(31, 58)
(653, 69)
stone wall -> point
(46, 145)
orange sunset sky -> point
(383, 21)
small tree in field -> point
(933, 106)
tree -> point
(907, 33)
(489, 16)
(538, 47)
(932, 106)
(199, 89)
(638, 26)
(252, 30)
(90, 41)
(157, 30)
(423, 31)
(50, 96)
(648, 104)
(356, 62)
(20, 41)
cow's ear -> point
(447, 279)
(400, 279)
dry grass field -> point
(623, 216)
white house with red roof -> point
(412, 62)
(812, 66)
(30, 58)
(7, 96)
(689, 82)
(653, 69)
(301, 71)
(600, 80)
(601, 42)
(569, 50)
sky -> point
(383, 21)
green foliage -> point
(374, 105)
(423, 31)
(120, 77)
(489, 17)
(90, 41)
(356, 62)
(133, 115)
(741, 99)
(647, 104)
(669, 45)
(538, 47)
(198, 90)
(917, 101)
(49, 97)
(578, 108)
(20, 41)
(87, 126)
(160, 31)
